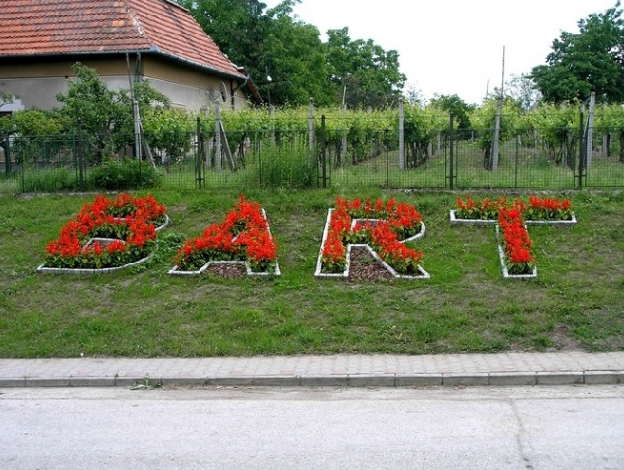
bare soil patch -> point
(227, 270)
(364, 267)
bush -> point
(122, 174)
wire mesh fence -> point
(300, 159)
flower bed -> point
(243, 237)
(534, 211)
(481, 211)
(383, 227)
(515, 246)
(547, 211)
(101, 239)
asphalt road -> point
(540, 428)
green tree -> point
(454, 104)
(105, 116)
(89, 101)
(31, 129)
(288, 61)
(422, 125)
(557, 127)
(363, 72)
(588, 61)
(238, 27)
(283, 56)
(294, 58)
(610, 120)
(5, 98)
(524, 90)
(170, 133)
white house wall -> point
(36, 86)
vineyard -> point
(410, 147)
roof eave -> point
(154, 50)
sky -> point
(454, 46)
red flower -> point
(243, 235)
(517, 244)
(391, 221)
(135, 233)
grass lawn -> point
(467, 306)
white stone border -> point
(160, 227)
(43, 269)
(175, 271)
(84, 271)
(552, 222)
(501, 256)
(345, 273)
(454, 220)
(423, 274)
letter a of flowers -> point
(106, 235)
(243, 237)
(382, 227)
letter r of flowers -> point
(383, 226)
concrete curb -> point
(354, 380)
(339, 370)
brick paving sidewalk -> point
(336, 370)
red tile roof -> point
(50, 27)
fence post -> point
(311, 133)
(7, 153)
(493, 163)
(590, 131)
(451, 153)
(137, 131)
(201, 156)
(272, 117)
(387, 152)
(23, 172)
(401, 135)
(217, 137)
(517, 160)
(81, 166)
(323, 153)
(343, 146)
(582, 150)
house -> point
(124, 40)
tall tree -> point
(524, 90)
(413, 95)
(363, 72)
(237, 26)
(283, 56)
(294, 57)
(588, 61)
(454, 104)
(288, 61)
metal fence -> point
(531, 159)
